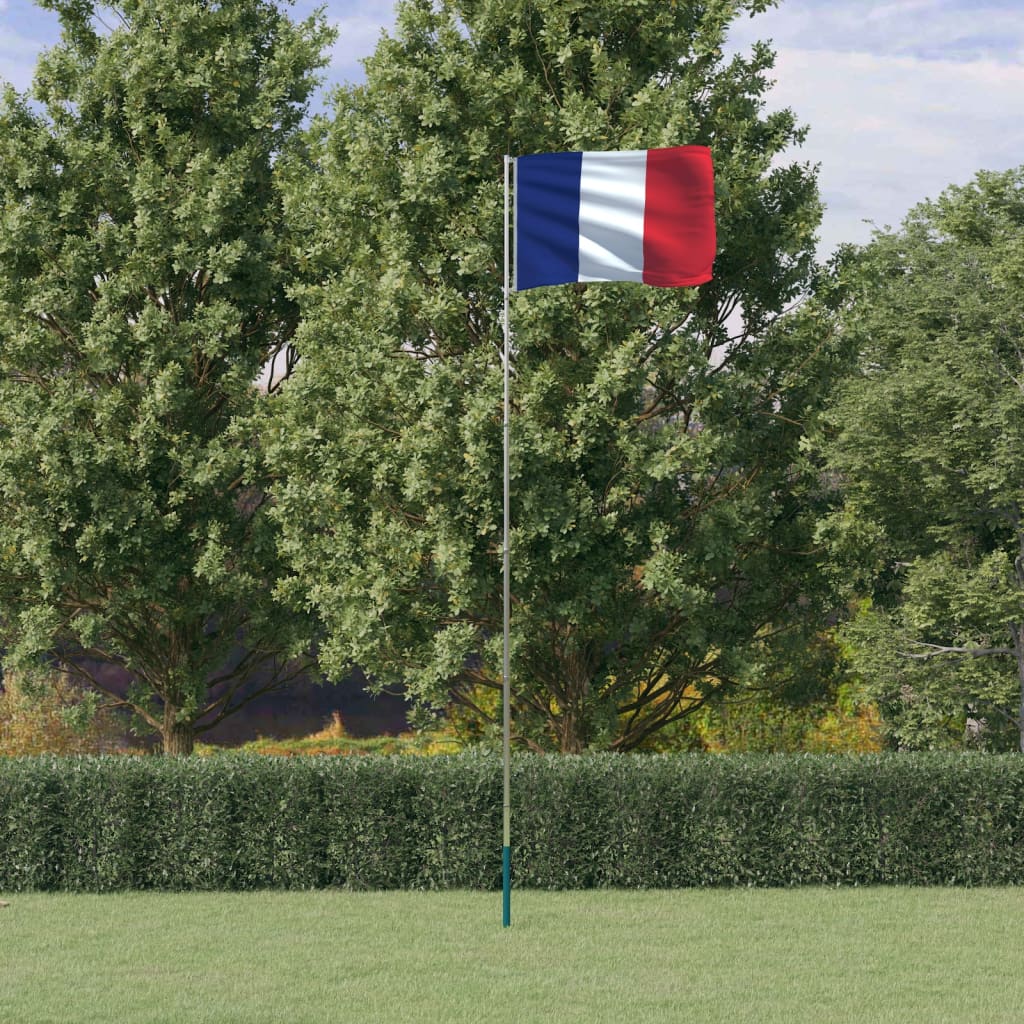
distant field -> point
(862, 956)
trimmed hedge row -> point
(233, 822)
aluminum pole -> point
(506, 804)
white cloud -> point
(938, 29)
(357, 37)
(890, 132)
(902, 98)
(25, 31)
(17, 58)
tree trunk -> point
(179, 737)
(975, 728)
(1017, 631)
(569, 739)
(1018, 646)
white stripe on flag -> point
(613, 189)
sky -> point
(902, 98)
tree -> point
(143, 284)
(662, 508)
(928, 439)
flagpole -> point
(506, 804)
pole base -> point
(506, 886)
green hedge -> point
(233, 822)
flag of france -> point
(633, 215)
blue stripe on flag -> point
(547, 219)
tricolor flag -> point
(633, 215)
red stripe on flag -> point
(679, 217)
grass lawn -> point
(814, 955)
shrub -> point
(244, 822)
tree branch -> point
(939, 650)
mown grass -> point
(853, 955)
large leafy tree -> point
(661, 508)
(928, 441)
(143, 285)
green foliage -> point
(764, 723)
(51, 716)
(236, 822)
(662, 506)
(143, 278)
(822, 709)
(927, 438)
